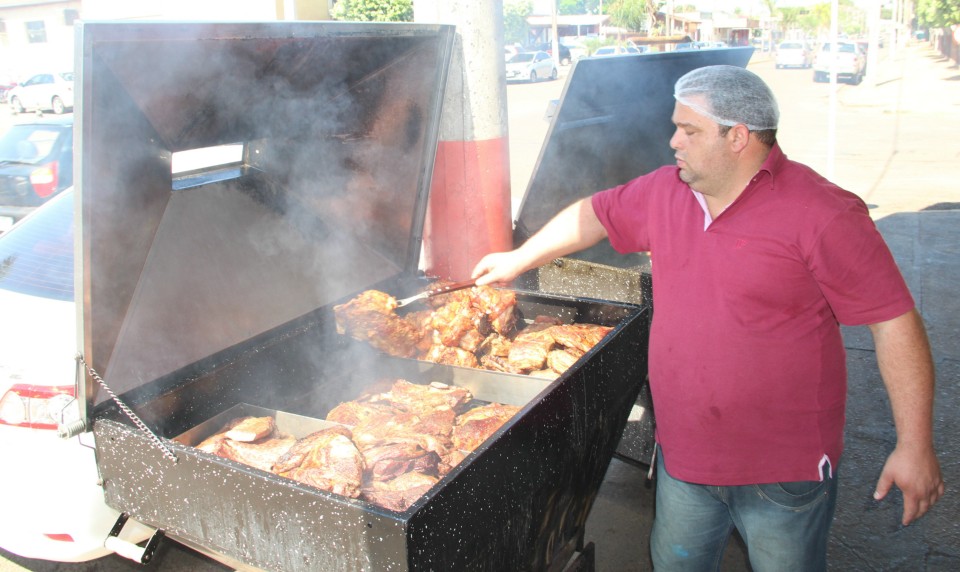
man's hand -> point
(906, 366)
(499, 268)
(917, 474)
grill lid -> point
(612, 124)
(337, 126)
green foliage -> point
(373, 10)
(571, 7)
(937, 13)
(629, 14)
(515, 27)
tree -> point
(937, 13)
(373, 10)
(515, 27)
(631, 14)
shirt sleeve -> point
(623, 212)
(857, 272)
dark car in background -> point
(564, 59)
(36, 164)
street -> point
(869, 137)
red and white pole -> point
(469, 210)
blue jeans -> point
(784, 525)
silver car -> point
(794, 54)
(45, 91)
(531, 66)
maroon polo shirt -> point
(747, 365)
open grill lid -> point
(338, 128)
(612, 124)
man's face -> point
(702, 154)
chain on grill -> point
(127, 411)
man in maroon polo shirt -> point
(757, 260)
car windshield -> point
(28, 143)
(66, 76)
(791, 46)
(602, 51)
(36, 255)
(521, 58)
(844, 48)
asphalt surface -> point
(897, 147)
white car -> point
(53, 91)
(609, 51)
(794, 54)
(53, 507)
(531, 66)
(847, 60)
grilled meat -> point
(399, 493)
(436, 395)
(561, 360)
(529, 349)
(581, 337)
(328, 460)
(390, 460)
(251, 429)
(450, 356)
(475, 426)
(370, 317)
(262, 454)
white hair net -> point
(733, 96)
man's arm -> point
(903, 354)
(574, 228)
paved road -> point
(897, 148)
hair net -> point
(733, 96)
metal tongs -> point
(437, 291)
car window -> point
(848, 48)
(36, 255)
(67, 76)
(520, 58)
(28, 143)
(791, 46)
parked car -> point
(565, 55)
(45, 91)
(531, 66)
(6, 84)
(36, 163)
(608, 51)
(847, 58)
(53, 503)
(794, 54)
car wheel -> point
(57, 105)
(533, 77)
(553, 74)
(15, 105)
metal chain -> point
(127, 411)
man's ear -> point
(739, 137)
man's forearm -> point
(903, 354)
(572, 229)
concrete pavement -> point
(907, 167)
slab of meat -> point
(390, 460)
(439, 353)
(561, 360)
(579, 336)
(370, 317)
(357, 413)
(499, 307)
(398, 494)
(475, 426)
(262, 454)
(252, 429)
(430, 397)
(327, 460)
(529, 349)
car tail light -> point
(44, 179)
(38, 406)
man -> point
(756, 259)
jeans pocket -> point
(794, 495)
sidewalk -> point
(907, 162)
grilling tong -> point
(436, 292)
